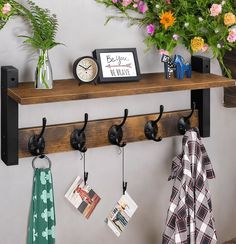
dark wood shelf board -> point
(66, 90)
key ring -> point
(39, 156)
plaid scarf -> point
(189, 218)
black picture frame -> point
(127, 73)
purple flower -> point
(115, 1)
(176, 37)
(232, 35)
(150, 29)
(142, 6)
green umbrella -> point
(42, 221)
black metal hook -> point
(115, 133)
(125, 184)
(36, 144)
(78, 137)
(85, 178)
(184, 122)
(151, 127)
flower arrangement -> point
(197, 24)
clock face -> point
(86, 69)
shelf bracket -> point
(202, 99)
(9, 117)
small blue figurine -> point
(177, 66)
(182, 68)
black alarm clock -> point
(85, 69)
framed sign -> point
(117, 65)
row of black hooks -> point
(36, 144)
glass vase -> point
(43, 74)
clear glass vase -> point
(43, 74)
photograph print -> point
(121, 214)
(82, 197)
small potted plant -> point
(44, 28)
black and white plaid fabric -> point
(190, 219)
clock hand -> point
(88, 67)
(82, 67)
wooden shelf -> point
(66, 90)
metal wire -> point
(123, 164)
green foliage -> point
(44, 27)
(44, 24)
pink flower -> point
(176, 37)
(150, 29)
(142, 6)
(6, 8)
(215, 9)
(163, 52)
(168, 1)
(126, 3)
(232, 35)
(135, 5)
(115, 1)
(205, 48)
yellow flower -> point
(229, 19)
(197, 43)
(167, 19)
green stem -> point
(40, 65)
(226, 71)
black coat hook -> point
(36, 144)
(184, 122)
(78, 137)
(115, 133)
(151, 127)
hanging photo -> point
(117, 65)
(82, 197)
(121, 214)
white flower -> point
(200, 19)
(233, 27)
(216, 31)
(222, 3)
(218, 45)
(186, 24)
(157, 6)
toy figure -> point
(182, 68)
(177, 66)
(169, 65)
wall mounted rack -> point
(14, 140)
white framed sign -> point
(117, 65)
